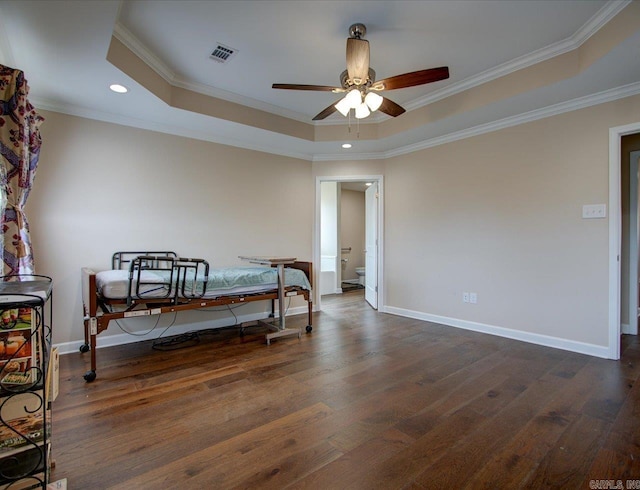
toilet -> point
(360, 272)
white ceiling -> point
(61, 46)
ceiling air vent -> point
(223, 54)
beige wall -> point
(352, 231)
(348, 168)
(497, 214)
(101, 187)
(500, 215)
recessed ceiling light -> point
(119, 89)
(368, 184)
(346, 145)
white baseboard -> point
(545, 340)
(533, 338)
(123, 338)
(625, 328)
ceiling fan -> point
(359, 83)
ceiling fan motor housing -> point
(345, 81)
(357, 31)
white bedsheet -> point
(114, 284)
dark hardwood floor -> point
(366, 401)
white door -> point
(371, 244)
(633, 243)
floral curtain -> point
(19, 151)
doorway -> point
(336, 258)
(616, 300)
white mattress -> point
(114, 284)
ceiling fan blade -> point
(391, 108)
(320, 88)
(358, 60)
(326, 112)
(412, 79)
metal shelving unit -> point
(26, 309)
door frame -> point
(615, 232)
(380, 232)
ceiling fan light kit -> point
(362, 111)
(343, 106)
(358, 81)
(354, 98)
(373, 100)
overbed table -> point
(278, 326)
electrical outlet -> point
(465, 297)
(591, 211)
(473, 298)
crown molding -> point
(239, 99)
(593, 25)
(600, 18)
(375, 118)
(351, 157)
(125, 36)
(164, 128)
(604, 15)
(552, 110)
(549, 111)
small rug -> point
(349, 286)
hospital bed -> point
(152, 283)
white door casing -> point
(379, 180)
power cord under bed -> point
(189, 339)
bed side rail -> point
(193, 276)
(164, 266)
(122, 260)
(182, 277)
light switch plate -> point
(591, 211)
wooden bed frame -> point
(98, 313)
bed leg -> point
(310, 317)
(273, 309)
(89, 376)
(85, 347)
